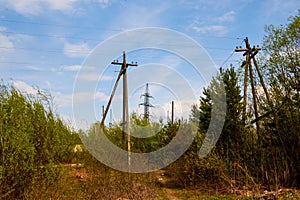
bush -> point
(33, 142)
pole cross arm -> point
(121, 72)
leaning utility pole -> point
(125, 124)
(250, 55)
(146, 103)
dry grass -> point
(97, 181)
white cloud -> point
(82, 97)
(88, 77)
(2, 28)
(76, 50)
(6, 43)
(35, 7)
(102, 96)
(71, 68)
(61, 5)
(35, 68)
(77, 68)
(62, 100)
(279, 7)
(182, 109)
(216, 5)
(102, 1)
(94, 77)
(137, 15)
(171, 60)
(23, 87)
(23, 7)
(9, 41)
(68, 120)
(227, 17)
(217, 29)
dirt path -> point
(165, 183)
(170, 194)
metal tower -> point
(146, 103)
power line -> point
(227, 59)
(102, 28)
(57, 25)
(30, 63)
(48, 36)
(44, 50)
(94, 39)
(64, 64)
(77, 51)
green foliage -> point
(231, 137)
(32, 143)
(212, 168)
(242, 157)
(154, 135)
(282, 66)
(205, 111)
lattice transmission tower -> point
(146, 102)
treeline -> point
(242, 157)
(34, 142)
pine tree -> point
(205, 111)
(231, 136)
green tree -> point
(231, 139)
(282, 67)
(201, 114)
(205, 111)
(33, 142)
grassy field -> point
(91, 183)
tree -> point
(282, 66)
(32, 142)
(231, 136)
(205, 111)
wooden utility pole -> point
(110, 118)
(102, 111)
(250, 55)
(126, 120)
(172, 113)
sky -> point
(47, 44)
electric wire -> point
(79, 51)
(57, 25)
(227, 59)
(101, 28)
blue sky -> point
(44, 43)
